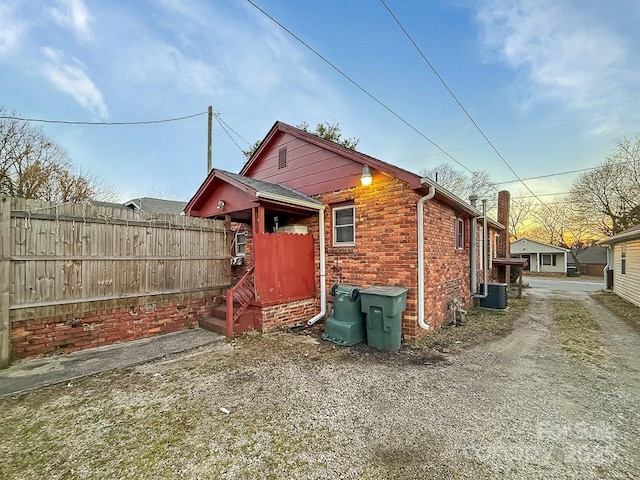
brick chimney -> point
(503, 245)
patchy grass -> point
(481, 325)
(622, 309)
(578, 332)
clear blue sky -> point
(554, 84)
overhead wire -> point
(222, 125)
(462, 107)
(362, 89)
(72, 122)
(453, 95)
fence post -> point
(5, 322)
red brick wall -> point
(386, 254)
(69, 333)
(289, 313)
(386, 249)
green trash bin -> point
(345, 326)
(383, 307)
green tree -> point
(33, 166)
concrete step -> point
(215, 325)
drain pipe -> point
(473, 198)
(421, 202)
(323, 287)
(485, 243)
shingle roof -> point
(632, 233)
(157, 205)
(272, 188)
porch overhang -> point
(228, 194)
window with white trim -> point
(240, 241)
(623, 259)
(549, 259)
(459, 233)
(344, 226)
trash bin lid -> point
(384, 291)
(345, 289)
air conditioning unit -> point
(293, 229)
(497, 295)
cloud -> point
(75, 15)
(561, 51)
(11, 30)
(69, 77)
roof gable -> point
(526, 245)
(314, 165)
(237, 193)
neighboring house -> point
(318, 214)
(541, 257)
(156, 205)
(624, 262)
(146, 204)
(591, 260)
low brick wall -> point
(71, 332)
(289, 314)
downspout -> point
(323, 287)
(485, 250)
(485, 240)
(607, 267)
(421, 202)
(473, 248)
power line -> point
(363, 90)
(453, 95)
(69, 122)
(217, 117)
(564, 173)
(532, 132)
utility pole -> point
(210, 140)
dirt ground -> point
(520, 407)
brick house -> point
(399, 229)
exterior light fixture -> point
(220, 204)
(366, 178)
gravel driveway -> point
(517, 408)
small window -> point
(344, 226)
(282, 158)
(623, 259)
(241, 242)
(548, 259)
(459, 229)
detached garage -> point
(541, 257)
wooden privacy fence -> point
(63, 259)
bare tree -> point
(609, 195)
(520, 212)
(461, 184)
(33, 166)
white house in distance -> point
(542, 257)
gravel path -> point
(517, 408)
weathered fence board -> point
(58, 257)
